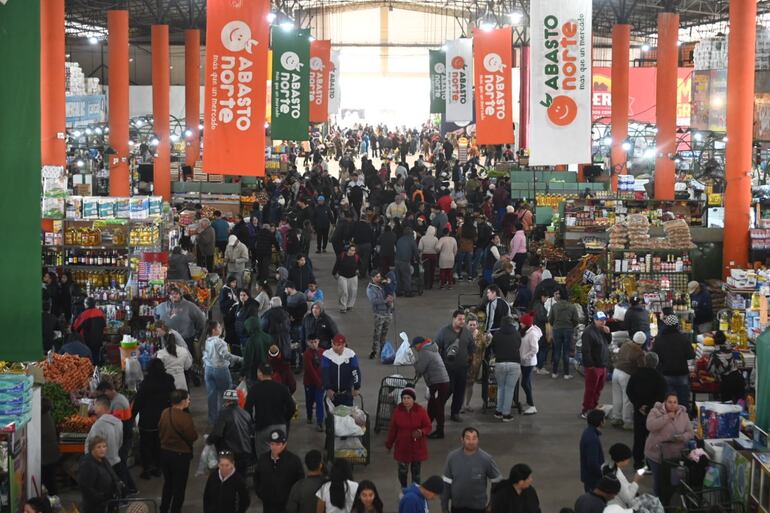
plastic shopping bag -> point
(404, 355)
(208, 460)
(387, 354)
(242, 390)
(134, 374)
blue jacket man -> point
(591, 452)
(416, 496)
(340, 372)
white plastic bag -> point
(134, 374)
(208, 460)
(346, 426)
(404, 355)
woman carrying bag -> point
(177, 435)
(99, 484)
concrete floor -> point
(548, 441)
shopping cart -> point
(355, 449)
(388, 398)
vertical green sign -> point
(21, 298)
(437, 59)
(291, 84)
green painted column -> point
(20, 270)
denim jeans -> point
(562, 343)
(463, 262)
(478, 255)
(314, 396)
(507, 375)
(526, 383)
(680, 385)
(217, 381)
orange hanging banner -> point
(320, 57)
(237, 40)
(492, 60)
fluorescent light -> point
(93, 40)
(130, 59)
(487, 26)
(174, 137)
(188, 133)
(271, 17)
(516, 17)
(155, 141)
(200, 126)
(717, 101)
(67, 56)
(645, 47)
(98, 130)
(311, 38)
(287, 26)
(80, 163)
(626, 146)
(724, 139)
(607, 141)
(88, 131)
(139, 122)
(131, 143)
(106, 130)
(697, 136)
(77, 133)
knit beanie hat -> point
(639, 338)
(434, 484)
(410, 392)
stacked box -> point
(74, 79)
(711, 53)
(92, 86)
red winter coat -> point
(402, 424)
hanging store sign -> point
(437, 60)
(320, 57)
(291, 84)
(492, 60)
(459, 81)
(236, 74)
(560, 82)
(334, 83)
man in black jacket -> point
(301, 274)
(233, 432)
(674, 350)
(645, 387)
(596, 356)
(226, 490)
(263, 250)
(637, 317)
(277, 471)
(270, 405)
(322, 220)
(363, 236)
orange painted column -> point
(53, 150)
(740, 116)
(117, 74)
(53, 127)
(161, 84)
(524, 97)
(621, 46)
(665, 104)
(192, 93)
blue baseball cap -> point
(321, 198)
(600, 316)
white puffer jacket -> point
(530, 346)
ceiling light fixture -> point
(271, 17)
(93, 40)
(487, 26)
(626, 146)
(516, 17)
(645, 47)
(287, 26)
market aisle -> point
(548, 441)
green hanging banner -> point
(437, 59)
(762, 370)
(21, 299)
(291, 84)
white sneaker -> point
(554, 375)
(542, 372)
(531, 410)
(568, 376)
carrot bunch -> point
(70, 371)
(77, 424)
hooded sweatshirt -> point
(428, 242)
(110, 428)
(340, 372)
(254, 351)
(412, 501)
(530, 346)
(430, 366)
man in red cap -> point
(340, 372)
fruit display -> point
(113, 375)
(70, 371)
(61, 402)
(77, 424)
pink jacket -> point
(662, 428)
(518, 243)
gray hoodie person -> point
(110, 428)
(429, 364)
